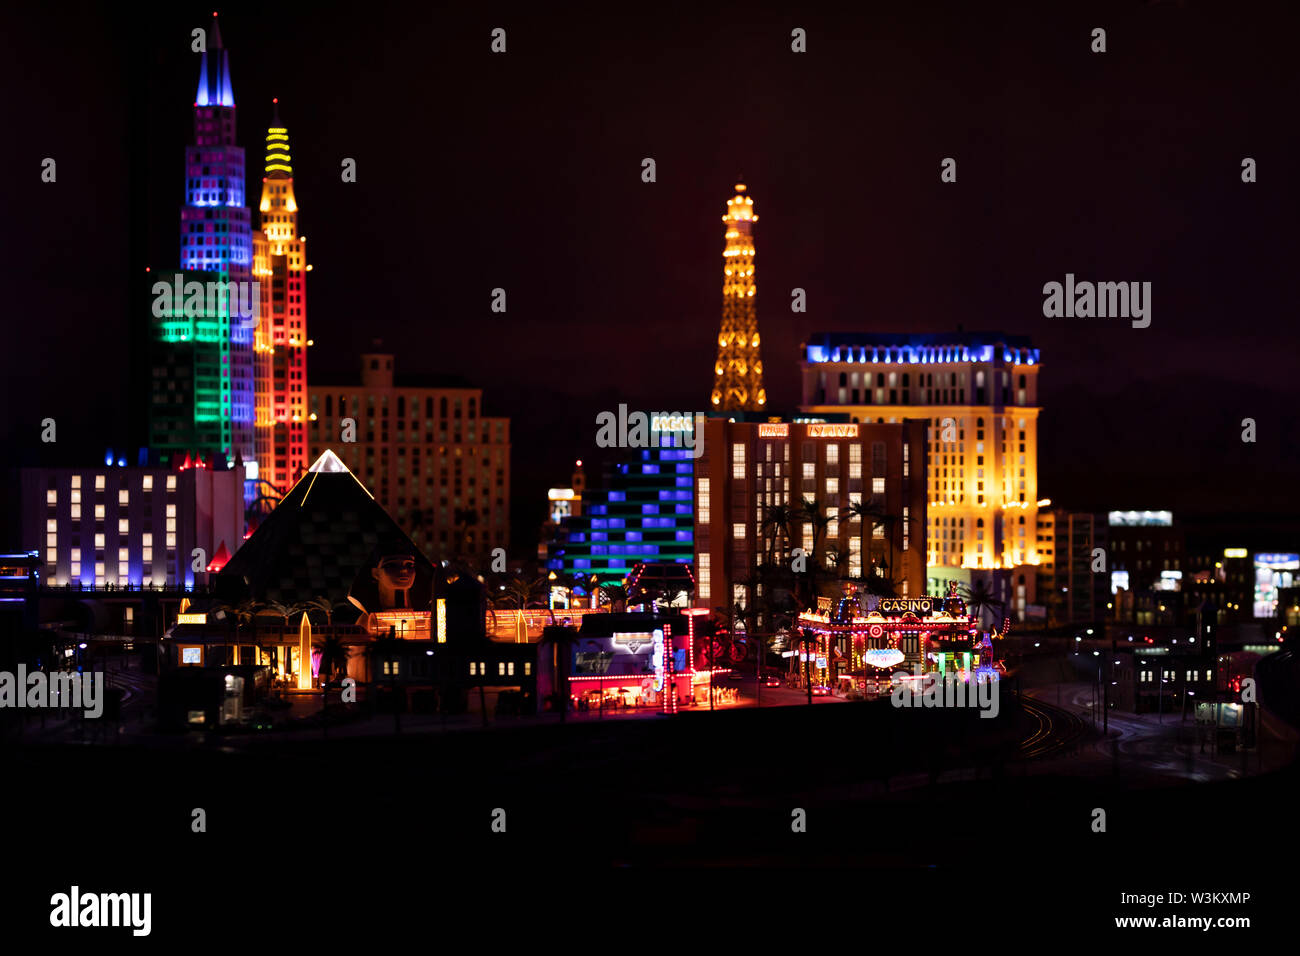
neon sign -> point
(832, 431)
(925, 605)
(882, 656)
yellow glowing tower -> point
(738, 374)
(280, 266)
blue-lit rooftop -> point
(920, 349)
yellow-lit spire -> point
(738, 372)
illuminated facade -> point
(426, 450)
(979, 394)
(561, 503)
(867, 480)
(280, 265)
(847, 644)
(203, 388)
(135, 527)
(640, 513)
(738, 373)
(1069, 590)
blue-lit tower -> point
(217, 239)
(642, 512)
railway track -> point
(1054, 730)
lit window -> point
(147, 539)
(510, 668)
(702, 508)
(171, 540)
(123, 526)
(99, 540)
(738, 530)
(473, 669)
(123, 497)
(76, 512)
(832, 487)
(76, 482)
(148, 483)
(501, 668)
(171, 511)
(171, 524)
(528, 668)
(52, 539)
(702, 574)
(51, 497)
(99, 482)
(171, 482)
(877, 486)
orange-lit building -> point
(867, 479)
(425, 449)
(978, 393)
(280, 267)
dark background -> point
(523, 171)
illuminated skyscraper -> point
(978, 392)
(203, 389)
(279, 263)
(738, 374)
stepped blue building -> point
(642, 512)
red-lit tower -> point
(280, 263)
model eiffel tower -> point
(738, 373)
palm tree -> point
(776, 525)
(980, 598)
(334, 656)
(812, 513)
(616, 595)
(318, 603)
(871, 512)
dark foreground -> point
(916, 814)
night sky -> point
(523, 171)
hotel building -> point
(640, 513)
(978, 392)
(426, 451)
(748, 468)
(280, 266)
(136, 527)
(1069, 590)
(203, 378)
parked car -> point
(771, 680)
(821, 690)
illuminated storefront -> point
(846, 646)
(628, 662)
